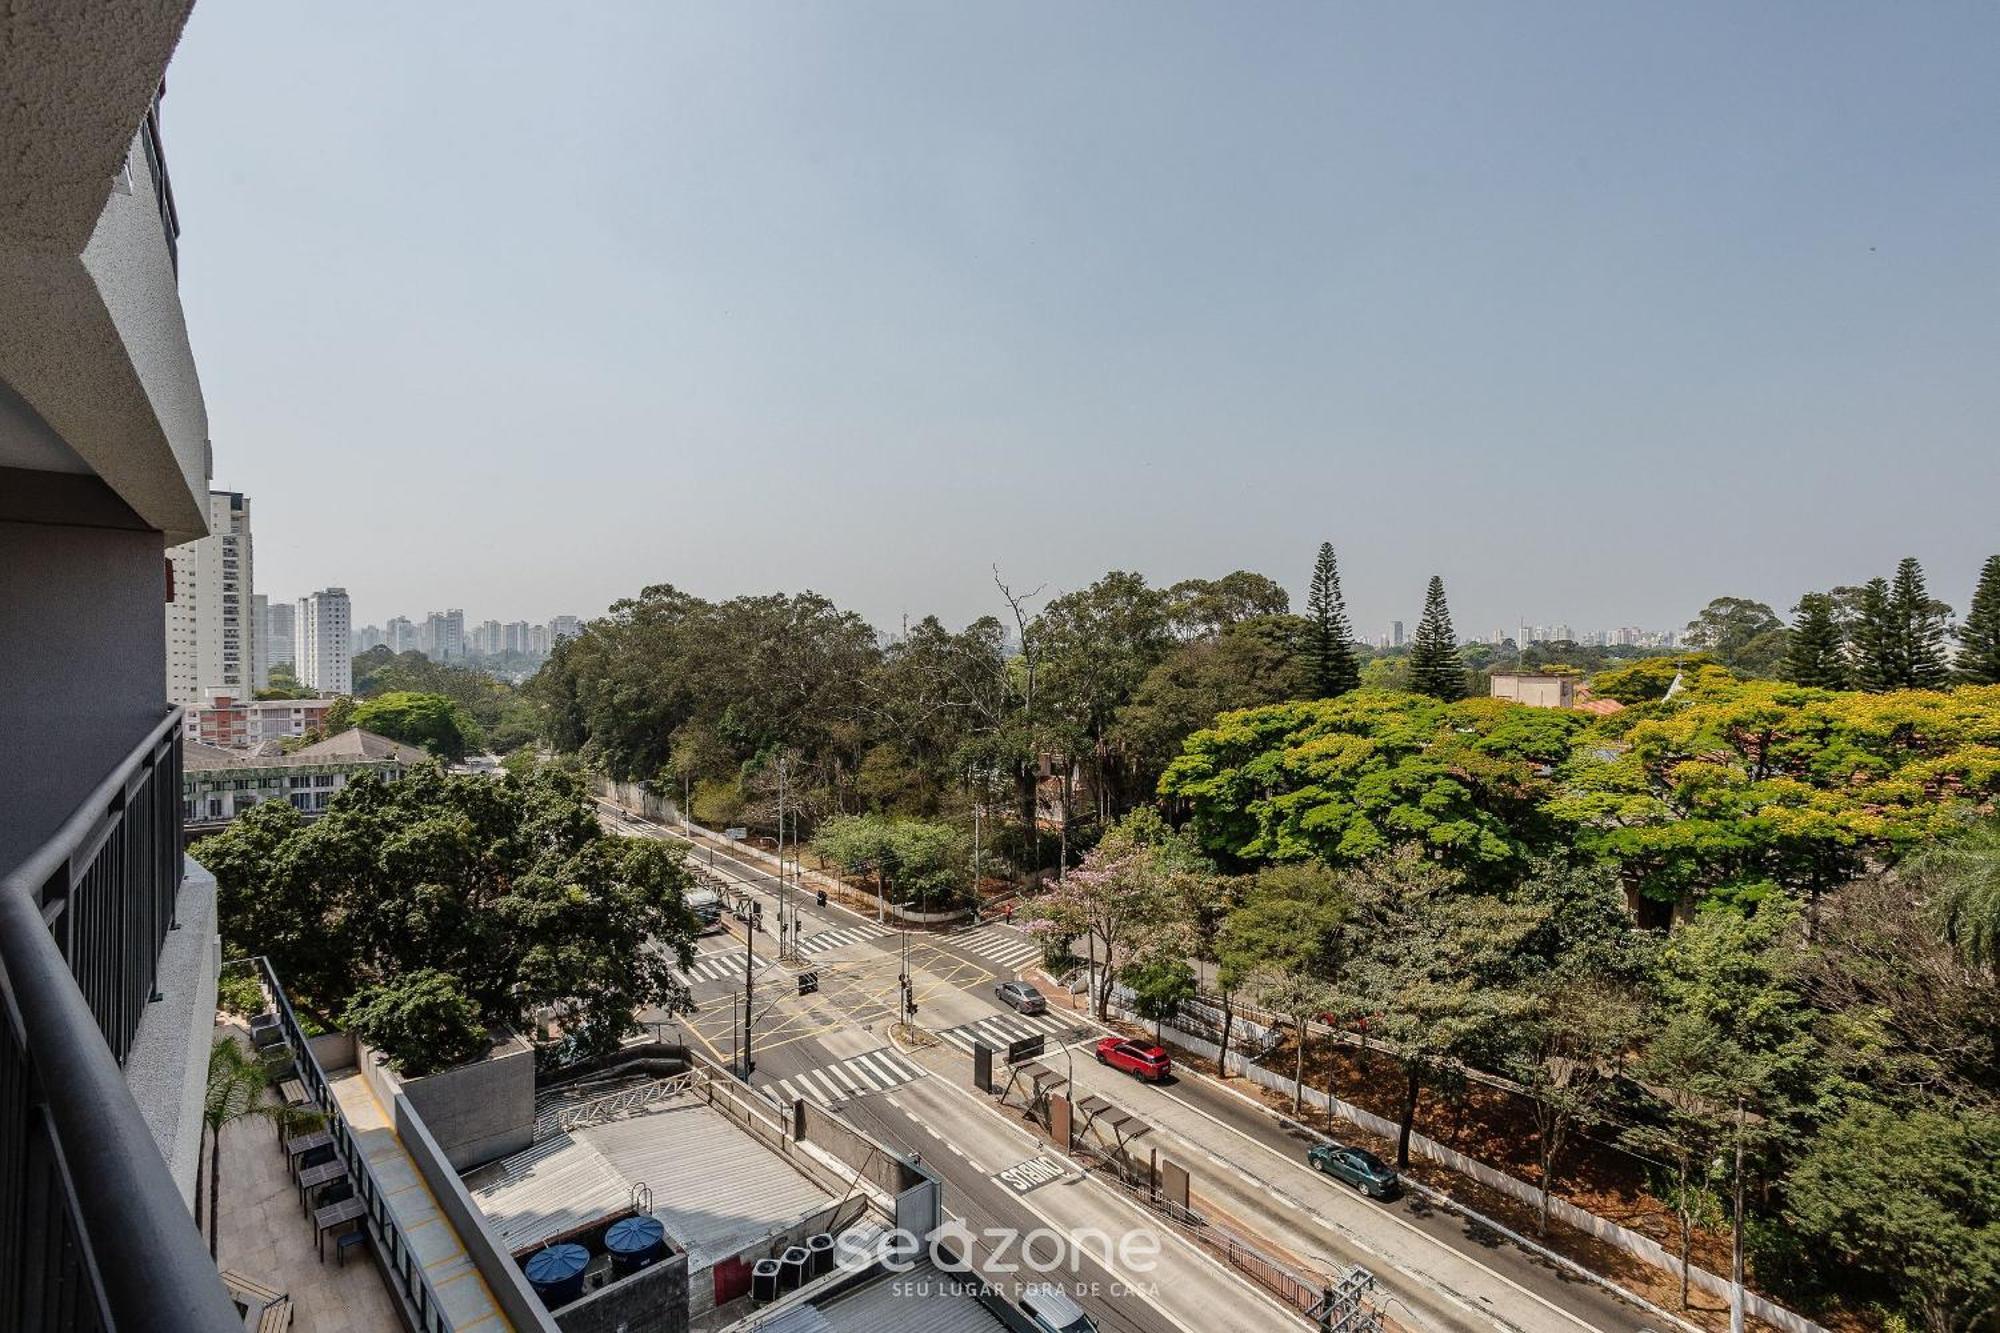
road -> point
(1442, 1272)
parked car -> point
(1021, 997)
(1357, 1166)
(706, 905)
(1147, 1062)
(1051, 1309)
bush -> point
(240, 993)
(422, 1021)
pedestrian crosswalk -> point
(1003, 944)
(1001, 1029)
(839, 935)
(877, 1071)
(720, 967)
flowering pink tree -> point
(1129, 899)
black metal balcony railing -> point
(163, 185)
(94, 1234)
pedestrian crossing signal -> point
(808, 983)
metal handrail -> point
(120, 1191)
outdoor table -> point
(331, 1216)
(299, 1145)
(293, 1091)
(313, 1177)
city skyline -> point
(1579, 308)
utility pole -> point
(749, 986)
(687, 800)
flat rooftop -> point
(715, 1189)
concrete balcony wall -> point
(82, 666)
(167, 1068)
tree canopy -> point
(502, 891)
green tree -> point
(1328, 636)
(1206, 608)
(507, 884)
(1435, 667)
(339, 716)
(1160, 986)
(1343, 779)
(1741, 634)
(1128, 899)
(1284, 943)
(1959, 879)
(421, 1020)
(1248, 664)
(433, 721)
(1910, 1200)
(1979, 636)
(1439, 974)
(1920, 622)
(1816, 651)
(1876, 641)
(237, 1082)
(1569, 1048)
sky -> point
(1596, 311)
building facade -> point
(241, 724)
(219, 784)
(325, 646)
(210, 631)
(400, 635)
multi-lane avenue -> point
(836, 1048)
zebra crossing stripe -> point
(840, 935)
(1001, 1029)
(875, 1071)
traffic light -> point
(809, 983)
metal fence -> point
(94, 1234)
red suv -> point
(1147, 1062)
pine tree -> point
(1874, 647)
(1920, 625)
(1334, 670)
(1813, 649)
(1979, 636)
(1435, 668)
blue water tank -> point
(556, 1273)
(635, 1242)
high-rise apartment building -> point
(442, 637)
(514, 637)
(488, 638)
(325, 650)
(564, 627)
(368, 636)
(210, 631)
(400, 635)
(1395, 634)
(278, 633)
(260, 641)
(538, 640)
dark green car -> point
(1357, 1166)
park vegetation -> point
(1748, 915)
(423, 914)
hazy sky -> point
(1598, 312)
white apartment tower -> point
(325, 648)
(210, 630)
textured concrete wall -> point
(480, 1112)
(654, 1300)
(83, 664)
(167, 1069)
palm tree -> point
(1960, 877)
(237, 1081)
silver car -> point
(1021, 997)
